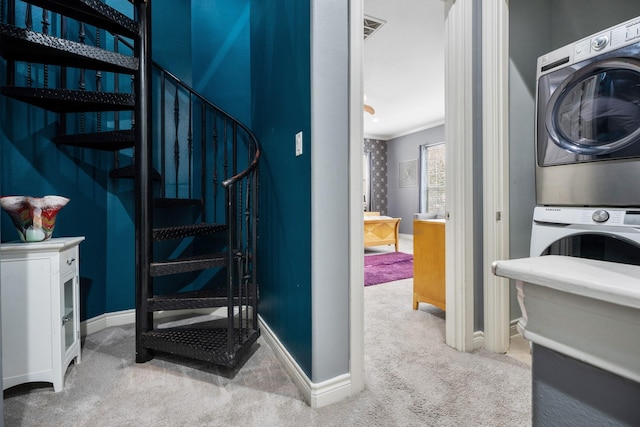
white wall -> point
(404, 202)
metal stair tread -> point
(188, 264)
(181, 231)
(129, 172)
(92, 12)
(108, 141)
(189, 300)
(71, 101)
(169, 202)
(20, 44)
(208, 344)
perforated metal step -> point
(206, 344)
(106, 141)
(182, 231)
(187, 264)
(20, 44)
(192, 300)
(71, 101)
(92, 12)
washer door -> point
(598, 246)
(596, 110)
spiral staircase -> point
(194, 167)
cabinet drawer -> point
(68, 261)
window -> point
(366, 180)
(432, 178)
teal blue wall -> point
(280, 79)
(221, 54)
(171, 41)
(101, 209)
(31, 164)
(273, 59)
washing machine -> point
(606, 234)
(588, 121)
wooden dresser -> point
(429, 262)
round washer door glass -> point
(597, 109)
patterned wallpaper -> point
(378, 150)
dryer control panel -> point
(587, 216)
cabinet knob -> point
(65, 319)
(70, 261)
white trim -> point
(316, 394)
(459, 42)
(495, 113)
(356, 232)
(127, 317)
(478, 339)
(409, 132)
(513, 328)
(103, 321)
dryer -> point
(606, 234)
(588, 121)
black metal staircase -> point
(196, 177)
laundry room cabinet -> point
(40, 310)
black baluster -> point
(82, 35)
(190, 146)
(28, 22)
(98, 83)
(225, 151)
(45, 30)
(163, 133)
(11, 20)
(203, 161)
(215, 167)
(176, 143)
(116, 89)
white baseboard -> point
(98, 323)
(316, 394)
(513, 328)
(478, 339)
(478, 336)
(126, 317)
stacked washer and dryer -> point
(588, 148)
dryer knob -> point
(600, 216)
(599, 43)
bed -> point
(380, 230)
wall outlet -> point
(299, 143)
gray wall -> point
(526, 19)
(563, 388)
(566, 389)
(330, 192)
(537, 28)
(404, 202)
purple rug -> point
(385, 268)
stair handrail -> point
(254, 163)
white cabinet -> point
(40, 310)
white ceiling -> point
(404, 67)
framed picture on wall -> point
(408, 173)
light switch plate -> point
(299, 143)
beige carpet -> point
(412, 379)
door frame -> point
(460, 254)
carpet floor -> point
(412, 378)
(389, 267)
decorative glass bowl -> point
(33, 217)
